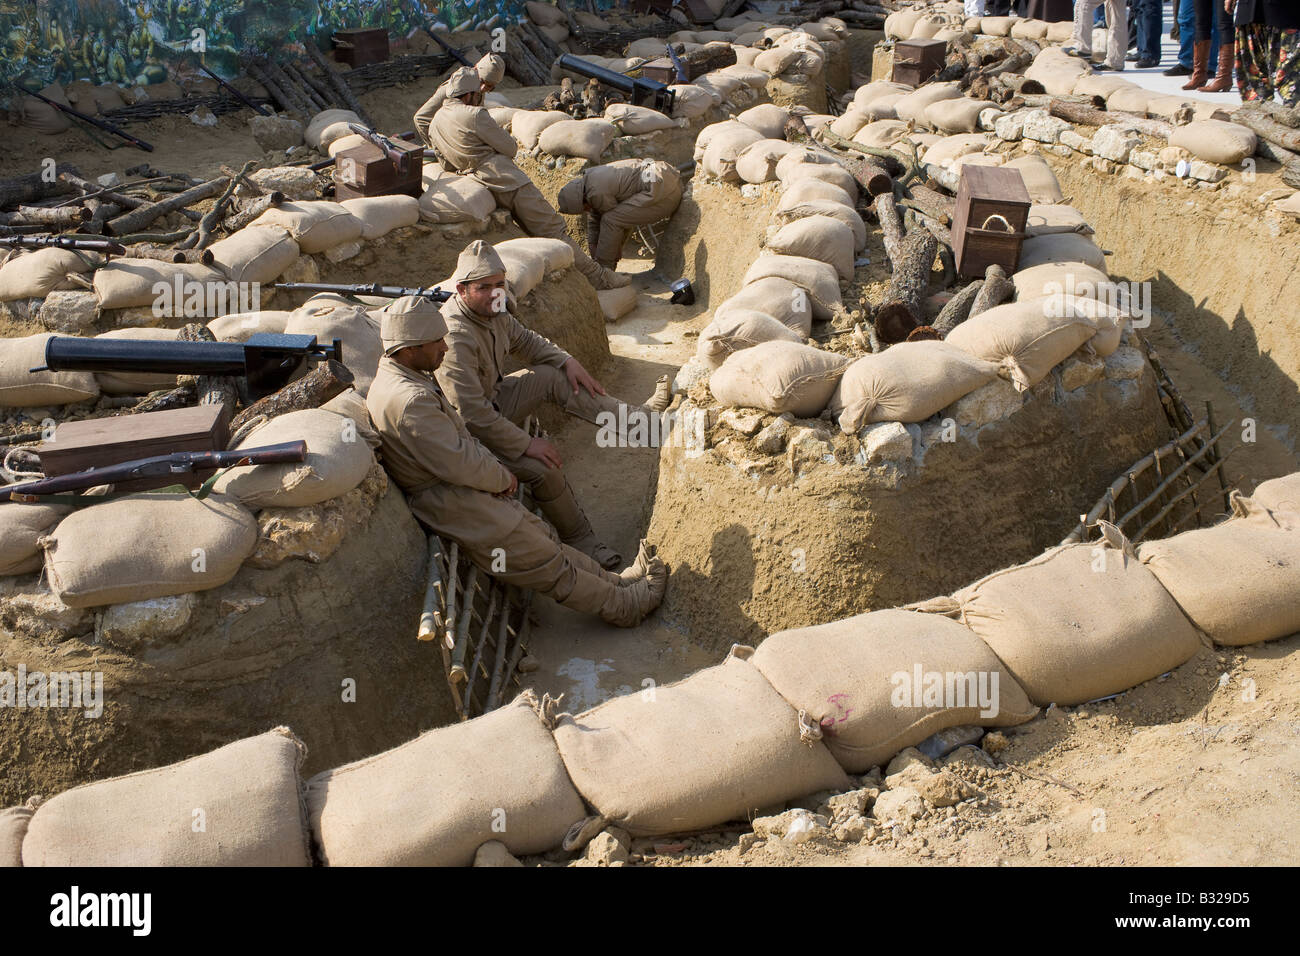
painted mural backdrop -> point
(138, 41)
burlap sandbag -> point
(553, 254)
(1238, 581)
(1061, 248)
(315, 226)
(20, 527)
(449, 197)
(812, 164)
(883, 107)
(341, 143)
(745, 56)
(22, 388)
(435, 800)
(849, 123)
(1040, 181)
(900, 24)
(882, 133)
(1058, 76)
(711, 748)
(1165, 107)
(584, 138)
(776, 61)
(525, 270)
(928, 26)
(868, 93)
(812, 190)
(136, 383)
(324, 119)
(779, 377)
(34, 275)
(1060, 32)
(503, 116)
(997, 26)
(256, 253)
(908, 382)
(238, 326)
(817, 278)
(748, 74)
(528, 125)
(247, 795)
(1026, 338)
(1279, 494)
(976, 159)
(768, 118)
(336, 463)
(1078, 622)
(817, 237)
(1130, 98)
(352, 404)
(616, 303)
(13, 827)
(950, 148)
(1215, 141)
(1052, 220)
(774, 296)
(911, 108)
(835, 210)
(333, 317)
(689, 101)
(958, 115)
(757, 162)
(739, 329)
(705, 136)
(1100, 84)
(868, 682)
(380, 215)
(544, 14)
(146, 546)
(134, 283)
(1029, 30)
(1071, 278)
(635, 120)
(719, 159)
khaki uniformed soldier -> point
(617, 198)
(469, 142)
(482, 335)
(491, 70)
(459, 488)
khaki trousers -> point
(1116, 30)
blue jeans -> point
(1150, 23)
(1187, 33)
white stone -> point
(296, 182)
(40, 603)
(988, 403)
(1125, 363)
(203, 117)
(747, 423)
(884, 441)
(275, 132)
(606, 848)
(796, 825)
(1042, 127)
(495, 853)
(1144, 159)
(1076, 142)
(751, 190)
(1115, 143)
(690, 375)
(1272, 195)
(988, 118)
(1170, 155)
(1077, 372)
(72, 313)
(1009, 126)
(343, 251)
(109, 180)
(771, 440)
(1206, 172)
(140, 623)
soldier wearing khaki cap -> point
(482, 336)
(491, 70)
(459, 488)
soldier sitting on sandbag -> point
(491, 70)
(617, 198)
(461, 490)
(469, 142)
(482, 336)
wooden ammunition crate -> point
(359, 47)
(366, 170)
(93, 443)
(986, 196)
(915, 61)
(661, 70)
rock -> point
(1010, 126)
(988, 118)
(995, 742)
(606, 848)
(851, 829)
(884, 441)
(987, 404)
(771, 440)
(303, 269)
(751, 190)
(276, 132)
(314, 532)
(1272, 195)
(898, 806)
(1170, 156)
(1115, 143)
(494, 853)
(1076, 142)
(844, 805)
(1077, 372)
(142, 623)
(946, 741)
(905, 759)
(745, 423)
(1205, 172)
(203, 117)
(33, 610)
(945, 789)
(691, 374)
(1042, 127)
(747, 842)
(1125, 363)
(72, 313)
(296, 182)
(969, 757)
(794, 826)
(806, 448)
(1144, 159)
(109, 180)
(343, 251)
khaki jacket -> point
(451, 478)
(617, 182)
(477, 350)
(424, 115)
(472, 144)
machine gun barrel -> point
(638, 90)
(375, 289)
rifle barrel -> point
(238, 95)
(102, 124)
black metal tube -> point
(638, 90)
(70, 353)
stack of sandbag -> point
(449, 197)
(238, 326)
(329, 317)
(804, 164)
(256, 253)
(586, 139)
(756, 163)
(37, 273)
(22, 525)
(1057, 71)
(818, 279)
(22, 388)
(817, 237)
(327, 126)
(778, 297)
(778, 377)
(247, 796)
(719, 146)
(767, 118)
(636, 120)
(529, 260)
(315, 226)
(527, 126)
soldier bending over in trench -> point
(618, 197)
(481, 336)
(459, 488)
(469, 142)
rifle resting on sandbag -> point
(89, 244)
(401, 159)
(267, 361)
(161, 467)
(375, 289)
(638, 90)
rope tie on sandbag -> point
(741, 652)
(810, 731)
(582, 833)
(549, 712)
(1116, 538)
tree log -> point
(34, 186)
(319, 85)
(934, 204)
(251, 210)
(183, 396)
(145, 251)
(327, 379)
(203, 236)
(887, 215)
(705, 60)
(60, 216)
(1267, 128)
(1291, 174)
(871, 176)
(997, 288)
(220, 390)
(137, 219)
(1090, 116)
(337, 82)
(318, 102)
(958, 308)
(901, 310)
(283, 101)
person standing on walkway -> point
(1186, 16)
(1149, 24)
(1116, 32)
(1268, 48)
(1212, 14)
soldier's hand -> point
(545, 452)
(514, 486)
(579, 376)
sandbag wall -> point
(796, 716)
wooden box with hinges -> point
(359, 47)
(96, 442)
(988, 227)
(915, 61)
(366, 170)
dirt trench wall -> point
(757, 545)
(270, 647)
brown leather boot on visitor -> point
(1222, 82)
(1200, 65)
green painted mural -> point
(139, 41)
